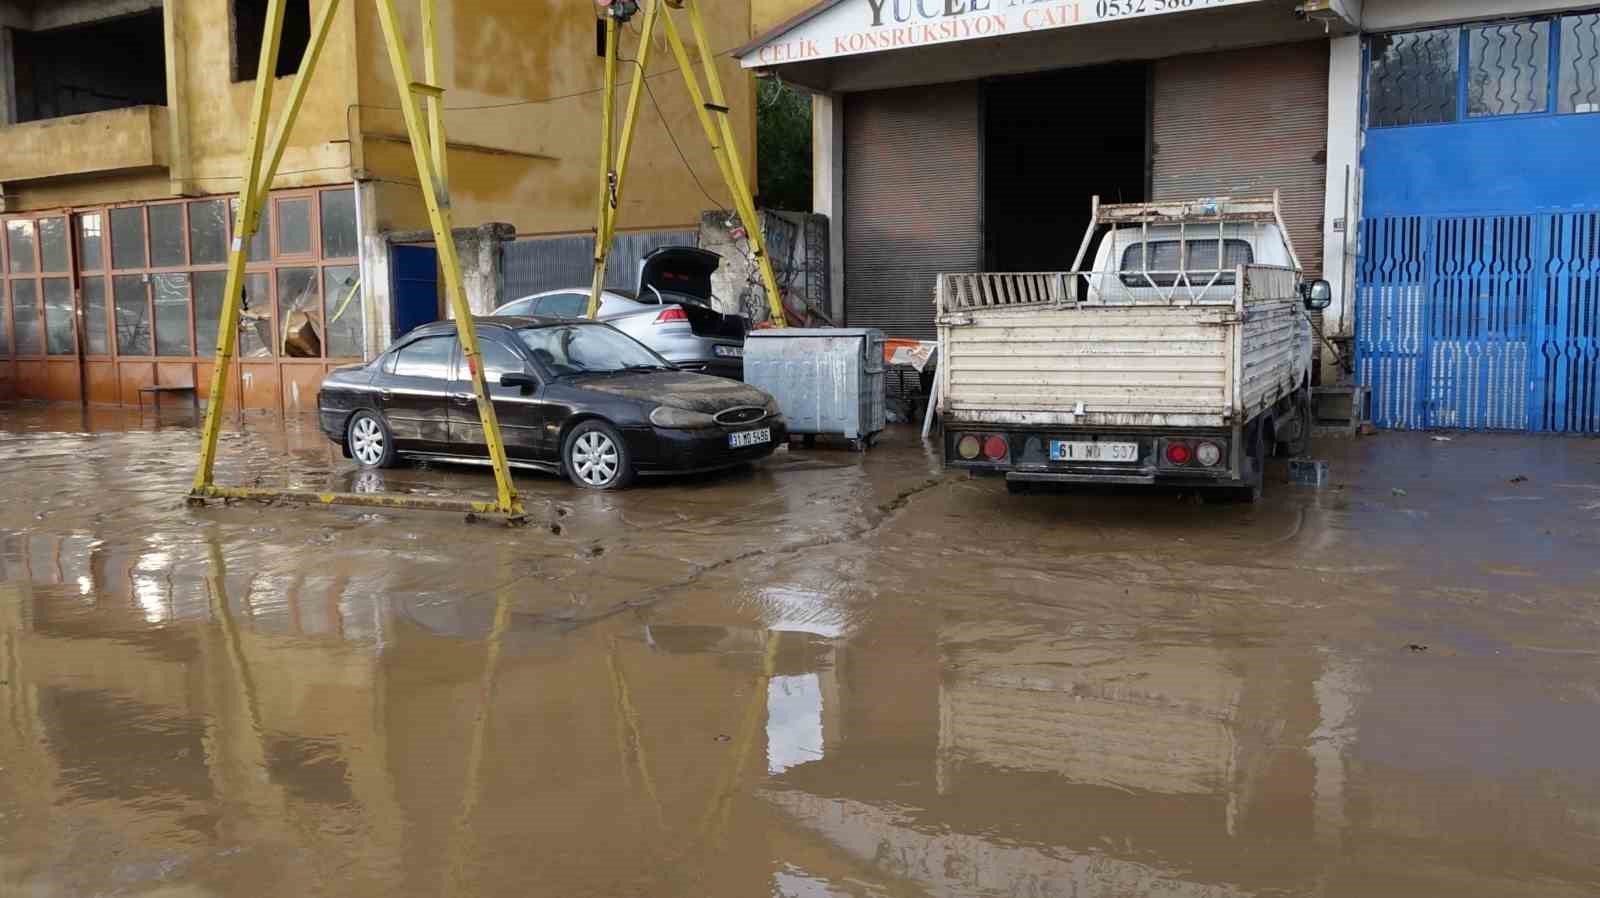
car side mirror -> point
(527, 382)
(1318, 295)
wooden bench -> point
(157, 390)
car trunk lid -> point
(682, 275)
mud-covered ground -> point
(829, 675)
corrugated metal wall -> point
(1242, 123)
(912, 202)
(553, 263)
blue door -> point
(415, 275)
(1478, 286)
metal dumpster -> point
(827, 380)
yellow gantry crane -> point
(714, 120)
(426, 132)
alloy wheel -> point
(595, 458)
(366, 441)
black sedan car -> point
(573, 397)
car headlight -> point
(680, 418)
(772, 406)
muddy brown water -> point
(829, 675)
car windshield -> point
(587, 349)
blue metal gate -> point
(1478, 286)
(1481, 323)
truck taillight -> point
(968, 447)
(668, 316)
(995, 448)
(1208, 454)
(1179, 453)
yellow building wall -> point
(768, 14)
(216, 112)
(529, 155)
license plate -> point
(749, 438)
(729, 352)
(1063, 450)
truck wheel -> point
(1302, 443)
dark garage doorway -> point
(1051, 142)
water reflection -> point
(173, 713)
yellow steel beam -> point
(250, 199)
(603, 198)
(435, 101)
(368, 500)
(449, 262)
(606, 230)
(719, 137)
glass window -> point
(1578, 74)
(565, 305)
(1203, 256)
(520, 307)
(133, 314)
(95, 339)
(208, 233)
(166, 236)
(255, 317)
(127, 238)
(208, 289)
(339, 224)
(341, 298)
(53, 243)
(578, 348)
(260, 249)
(59, 321)
(91, 242)
(172, 314)
(1200, 265)
(5, 333)
(19, 242)
(428, 357)
(498, 359)
(25, 317)
(1412, 78)
(1508, 68)
(294, 227)
(302, 313)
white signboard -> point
(869, 26)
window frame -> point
(1463, 50)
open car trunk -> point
(682, 274)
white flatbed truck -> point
(1182, 356)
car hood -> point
(678, 389)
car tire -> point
(369, 441)
(595, 457)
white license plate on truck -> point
(1066, 450)
(728, 352)
(750, 438)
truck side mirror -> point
(1318, 295)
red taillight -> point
(672, 314)
(995, 448)
(1179, 453)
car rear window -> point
(1161, 259)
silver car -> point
(670, 312)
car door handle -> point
(463, 398)
(385, 394)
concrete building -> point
(1433, 158)
(122, 129)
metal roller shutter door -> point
(1243, 123)
(911, 202)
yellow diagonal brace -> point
(731, 147)
(606, 229)
(744, 204)
(250, 200)
(449, 261)
(602, 202)
(435, 102)
(297, 96)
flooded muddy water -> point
(829, 675)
